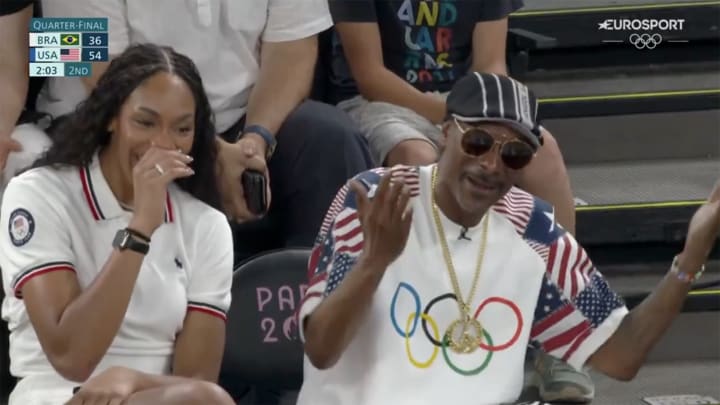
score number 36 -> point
(95, 40)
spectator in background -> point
(20, 141)
(393, 64)
(116, 262)
(257, 61)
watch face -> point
(124, 239)
(121, 239)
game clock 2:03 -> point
(46, 70)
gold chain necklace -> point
(464, 335)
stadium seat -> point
(262, 348)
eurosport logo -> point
(643, 40)
(625, 24)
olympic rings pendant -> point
(464, 335)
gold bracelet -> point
(684, 276)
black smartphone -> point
(255, 189)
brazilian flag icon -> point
(69, 39)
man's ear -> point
(445, 135)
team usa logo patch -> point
(21, 227)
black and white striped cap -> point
(490, 97)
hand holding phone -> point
(255, 190)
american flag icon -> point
(70, 55)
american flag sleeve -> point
(337, 247)
(576, 311)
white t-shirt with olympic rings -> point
(537, 286)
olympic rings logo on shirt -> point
(645, 41)
(408, 328)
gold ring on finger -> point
(159, 169)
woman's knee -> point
(205, 392)
(548, 163)
(551, 148)
(194, 392)
(412, 152)
(547, 178)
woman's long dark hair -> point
(79, 135)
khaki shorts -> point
(385, 125)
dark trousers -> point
(318, 149)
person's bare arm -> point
(625, 352)
(363, 51)
(622, 355)
(62, 314)
(75, 326)
(124, 385)
(286, 76)
(13, 67)
(488, 47)
(199, 347)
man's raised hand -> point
(386, 218)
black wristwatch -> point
(129, 239)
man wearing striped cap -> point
(430, 282)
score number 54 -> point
(95, 55)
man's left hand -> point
(702, 233)
(234, 159)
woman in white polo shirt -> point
(116, 262)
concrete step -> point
(624, 80)
(639, 182)
(686, 135)
(573, 4)
(686, 377)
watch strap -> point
(265, 135)
(127, 239)
(138, 234)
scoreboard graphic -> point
(67, 47)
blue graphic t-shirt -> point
(426, 42)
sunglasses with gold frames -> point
(476, 142)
